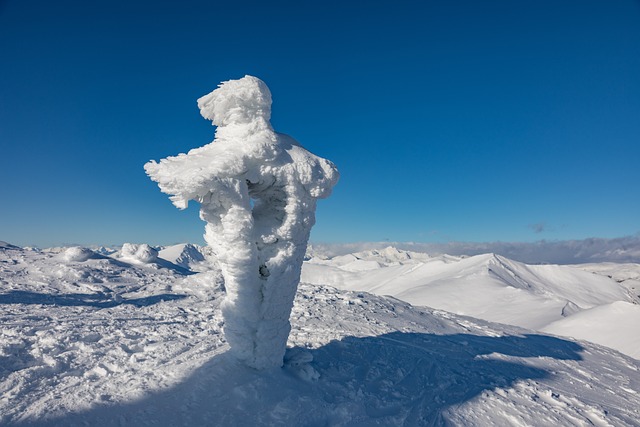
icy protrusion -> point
(78, 254)
(142, 253)
(258, 192)
(298, 361)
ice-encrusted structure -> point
(258, 190)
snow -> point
(591, 250)
(141, 253)
(104, 342)
(185, 255)
(626, 274)
(257, 190)
(78, 254)
(497, 289)
(5, 245)
(605, 325)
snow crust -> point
(107, 343)
(258, 191)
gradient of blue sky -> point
(449, 120)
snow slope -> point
(627, 274)
(104, 342)
(185, 255)
(488, 287)
(603, 324)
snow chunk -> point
(78, 254)
(258, 191)
(141, 253)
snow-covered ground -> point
(133, 339)
(595, 302)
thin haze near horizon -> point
(449, 121)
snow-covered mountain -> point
(185, 255)
(494, 288)
(96, 340)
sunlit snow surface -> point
(596, 302)
(106, 342)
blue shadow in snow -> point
(98, 300)
(162, 263)
(407, 379)
(428, 373)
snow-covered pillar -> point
(258, 190)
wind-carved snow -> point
(258, 191)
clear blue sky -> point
(449, 120)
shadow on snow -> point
(98, 300)
(162, 263)
(398, 378)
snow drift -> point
(258, 191)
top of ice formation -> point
(245, 147)
(237, 101)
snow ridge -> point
(185, 255)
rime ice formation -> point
(258, 191)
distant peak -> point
(5, 245)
